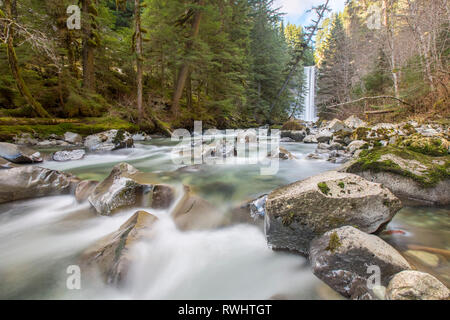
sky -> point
(296, 9)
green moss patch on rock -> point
(428, 171)
(436, 147)
(334, 243)
(324, 188)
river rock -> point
(109, 141)
(324, 136)
(6, 164)
(415, 285)
(337, 125)
(396, 173)
(354, 122)
(342, 259)
(25, 139)
(310, 139)
(297, 213)
(73, 138)
(68, 155)
(296, 135)
(355, 145)
(283, 154)
(142, 136)
(84, 189)
(19, 154)
(195, 213)
(113, 255)
(32, 182)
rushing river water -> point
(40, 238)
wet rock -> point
(19, 154)
(314, 156)
(142, 136)
(120, 189)
(195, 213)
(354, 122)
(113, 255)
(342, 259)
(297, 213)
(33, 182)
(85, 189)
(415, 285)
(258, 207)
(73, 138)
(109, 141)
(283, 154)
(310, 139)
(6, 164)
(68, 155)
(287, 140)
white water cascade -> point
(309, 113)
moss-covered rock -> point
(293, 126)
(431, 146)
(410, 175)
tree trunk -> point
(138, 51)
(15, 70)
(88, 48)
(184, 71)
(388, 8)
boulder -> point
(6, 164)
(68, 155)
(120, 189)
(343, 258)
(354, 122)
(84, 189)
(415, 178)
(310, 139)
(25, 139)
(283, 154)
(296, 135)
(19, 154)
(337, 125)
(195, 213)
(355, 145)
(297, 213)
(32, 182)
(142, 136)
(73, 138)
(415, 285)
(258, 207)
(113, 254)
(109, 141)
(324, 136)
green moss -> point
(119, 137)
(324, 188)
(334, 242)
(292, 125)
(438, 169)
(361, 133)
(341, 185)
(436, 147)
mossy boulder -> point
(412, 176)
(430, 146)
(293, 126)
(112, 255)
(341, 258)
(297, 213)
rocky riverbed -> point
(333, 205)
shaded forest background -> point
(155, 65)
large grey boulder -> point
(347, 258)
(297, 213)
(415, 285)
(109, 141)
(32, 182)
(324, 136)
(25, 139)
(19, 154)
(112, 255)
(120, 189)
(355, 145)
(73, 138)
(68, 155)
(310, 139)
(85, 189)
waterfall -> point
(309, 112)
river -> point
(40, 238)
